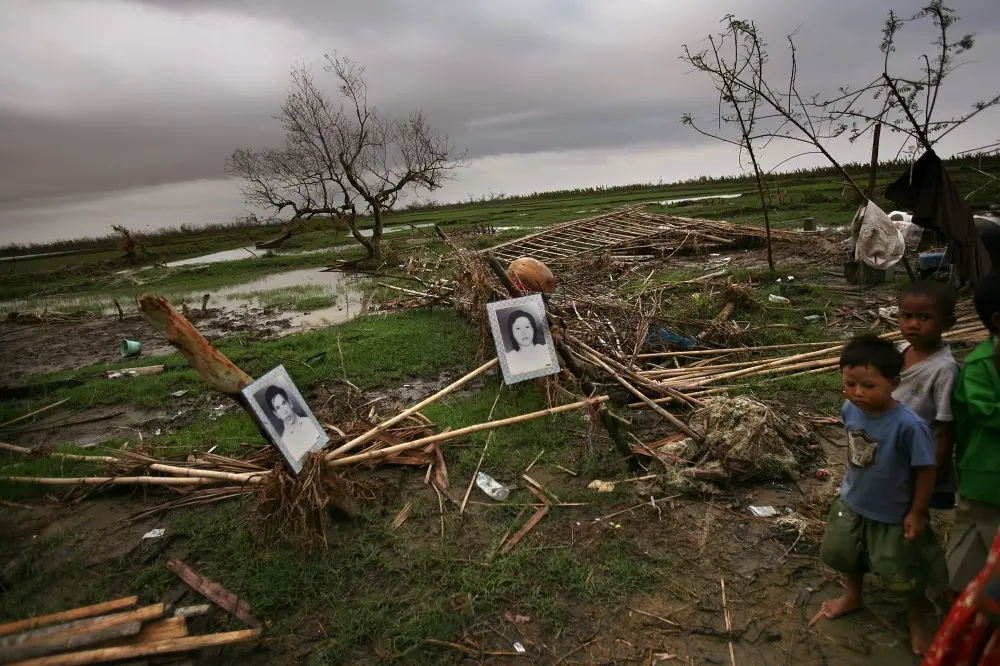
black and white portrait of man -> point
(285, 416)
(523, 339)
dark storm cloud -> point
(103, 95)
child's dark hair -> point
(942, 294)
(987, 300)
(874, 351)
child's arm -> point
(916, 521)
(944, 437)
(923, 463)
(981, 395)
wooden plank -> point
(104, 655)
(64, 642)
(213, 591)
(169, 628)
(66, 616)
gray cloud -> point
(99, 96)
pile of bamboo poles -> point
(708, 372)
(109, 632)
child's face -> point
(868, 388)
(921, 322)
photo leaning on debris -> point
(597, 426)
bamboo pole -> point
(103, 655)
(109, 480)
(68, 616)
(676, 422)
(382, 427)
(248, 477)
(417, 443)
(34, 413)
(736, 350)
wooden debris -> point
(403, 514)
(213, 592)
(68, 616)
(104, 655)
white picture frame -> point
(282, 407)
(509, 322)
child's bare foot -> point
(920, 638)
(848, 603)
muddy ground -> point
(774, 581)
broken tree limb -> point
(461, 432)
(382, 427)
(218, 371)
(213, 592)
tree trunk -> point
(371, 246)
(377, 232)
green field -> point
(816, 193)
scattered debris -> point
(131, 348)
(489, 486)
(154, 533)
(214, 592)
(110, 631)
(763, 511)
(601, 486)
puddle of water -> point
(255, 294)
(249, 251)
(251, 294)
(669, 202)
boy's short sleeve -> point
(923, 453)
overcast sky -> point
(123, 111)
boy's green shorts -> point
(856, 545)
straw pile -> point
(749, 439)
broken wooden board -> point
(213, 592)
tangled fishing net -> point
(749, 439)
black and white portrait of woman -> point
(285, 416)
(523, 339)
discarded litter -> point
(664, 336)
(774, 298)
(489, 486)
(519, 648)
(131, 348)
(763, 511)
(178, 394)
(155, 533)
(889, 312)
(823, 474)
(601, 486)
(812, 318)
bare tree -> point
(905, 103)
(343, 159)
(738, 105)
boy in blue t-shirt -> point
(879, 523)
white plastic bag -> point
(880, 243)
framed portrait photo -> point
(523, 339)
(285, 416)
